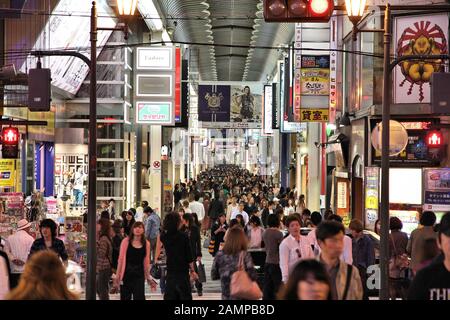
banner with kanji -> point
(314, 115)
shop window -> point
(110, 169)
(110, 149)
(110, 189)
(110, 130)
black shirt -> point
(116, 241)
(57, 246)
(178, 251)
(431, 283)
(135, 262)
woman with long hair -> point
(134, 265)
(104, 258)
(128, 222)
(308, 280)
(226, 261)
(44, 278)
(193, 232)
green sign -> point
(154, 113)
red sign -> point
(10, 135)
(177, 85)
(156, 164)
(435, 139)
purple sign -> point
(213, 103)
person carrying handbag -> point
(398, 262)
(235, 269)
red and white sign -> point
(156, 165)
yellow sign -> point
(7, 172)
(314, 115)
(315, 82)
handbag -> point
(206, 242)
(201, 272)
(397, 263)
(212, 245)
(241, 286)
(155, 271)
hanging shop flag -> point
(297, 73)
(314, 115)
(418, 35)
(315, 75)
(333, 71)
(267, 110)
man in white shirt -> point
(17, 248)
(233, 206)
(197, 207)
(240, 211)
(293, 248)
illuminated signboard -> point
(158, 113)
(151, 58)
(154, 85)
(267, 110)
(71, 32)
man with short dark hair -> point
(152, 226)
(345, 280)
(196, 206)
(419, 236)
(433, 282)
(347, 254)
(293, 248)
(316, 219)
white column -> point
(155, 174)
(313, 201)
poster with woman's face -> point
(246, 104)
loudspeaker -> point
(39, 89)
(440, 93)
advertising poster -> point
(372, 195)
(246, 104)
(418, 35)
(437, 189)
(315, 76)
(7, 170)
(213, 103)
(160, 113)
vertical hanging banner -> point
(315, 75)
(333, 71)
(267, 110)
(297, 73)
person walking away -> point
(44, 278)
(185, 207)
(206, 222)
(363, 253)
(17, 247)
(345, 280)
(116, 241)
(309, 281)
(416, 243)
(398, 242)
(431, 250)
(177, 195)
(180, 261)
(152, 230)
(218, 231)
(433, 282)
(316, 219)
(5, 275)
(270, 209)
(134, 265)
(104, 258)
(272, 238)
(196, 206)
(226, 261)
(254, 233)
(216, 208)
(193, 233)
(48, 240)
(293, 248)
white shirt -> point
(4, 279)
(288, 211)
(230, 210)
(18, 246)
(198, 208)
(289, 256)
(243, 213)
(79, 180)
(346, 256)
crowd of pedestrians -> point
(264, 241)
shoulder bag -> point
(241, 286)
(397, 263)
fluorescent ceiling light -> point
(148, 9)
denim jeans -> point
(78, 194)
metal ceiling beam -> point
(232, 26)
